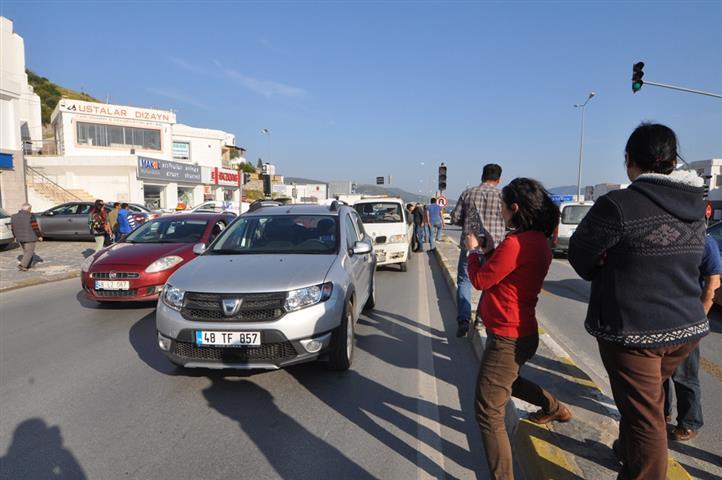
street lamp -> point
(267, 132)
(581, 146)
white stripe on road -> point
(430, 456)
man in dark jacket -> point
(27, 233)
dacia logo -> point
(231, 306)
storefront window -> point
(99, 135)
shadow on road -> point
(290, 448)
(37, 451)
(572, 288)
(85, 302)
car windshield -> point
(573, 214)
(273, 234)
(169, 230)
(379, 212)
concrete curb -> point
(31, 282)
(535, 443)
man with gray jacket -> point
(27, 233)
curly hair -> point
(536, 209)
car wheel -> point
(342, 342)
(371, 302)
(404, 266)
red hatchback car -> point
(136, 268)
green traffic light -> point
(636, 86)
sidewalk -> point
(580, 449)
(54, 260)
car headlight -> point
(173, 297)
(397, 238)
(85, 266)
(305, 297)
(164, 263)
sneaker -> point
(462, 330)
(563, 414)
(682, 434)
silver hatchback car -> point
(281, 285)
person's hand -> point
(40, 239)
(472, 243)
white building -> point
(20, 120)
(303, 193)
(138, 155)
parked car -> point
(447, 217)
(6, 233)
(66, 221)
(386, 220)
(281, 285)
(136, 268)
(218, 207)
(571, 215)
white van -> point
(572, 214)
(390, 227)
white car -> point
(572, 214)
(6, 233)
(447, 217)
(388, 223)
(219, 207)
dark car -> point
(136, 268)
(70, 220)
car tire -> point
(371, 302)
(404, 266)
(342, 342)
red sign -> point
(442, 201)
(708, 210)
(225, 177)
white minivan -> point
(390, 227)
(572, 214)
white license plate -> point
(227, 339)
(112, 285)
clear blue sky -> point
(356, 90)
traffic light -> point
(442, 177)
(707, 179)
(637, 75)
(267, 185)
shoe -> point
(563, 414)
(22, 269)
(682, 434)
(668, 418)
(617, 450)
(462, 330)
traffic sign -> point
(708, 210)
(379, 180)
(442, 201)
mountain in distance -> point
(51, 93)
(366, 189)
(301, 181)
(564, 190)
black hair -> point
(433, 200)
(116, 204)
(536, 209)
(491, 172)
(123, 205)
(653, 148)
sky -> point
(356, 90)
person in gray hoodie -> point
(26, 232)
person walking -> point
(410, 221)
(99, 226)
(686, 377)
(27, 233)
(419, 227)
(113, 221)
(124, 227)
(485, 199)
(511, 278)
(641, 247)
(435, 222)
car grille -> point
(273, 352)
(256, 307)
(116, 275)
(115, 293)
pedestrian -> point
(511, 277)
(99, 225)
(435, 222)
(641, 247)
(113, 221)
(27, 233)
(124, 227)
(486, 199)
(686, 377)
(410, 221)
(419, 227)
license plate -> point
(227, 339)
(112, 285)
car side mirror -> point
(199, 248)
(362, 248)
(49, 214)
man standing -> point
(686, 377)
(124, 227)
(27, 233)
(113, 221)
(419, 226)
(435, 222)
(486, 199)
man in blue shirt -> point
(124, 227)
(686, 377)
(435, 223)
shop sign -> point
(155, 169)
(222, 176)
(6, 160)
(116, 111)
(182, 150)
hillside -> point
(51, 93)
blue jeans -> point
(463, 290)
(420, 233)
(434, 234)
(689, 396)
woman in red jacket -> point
(511, 277)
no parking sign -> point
(442, 201)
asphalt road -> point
(85, 393)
